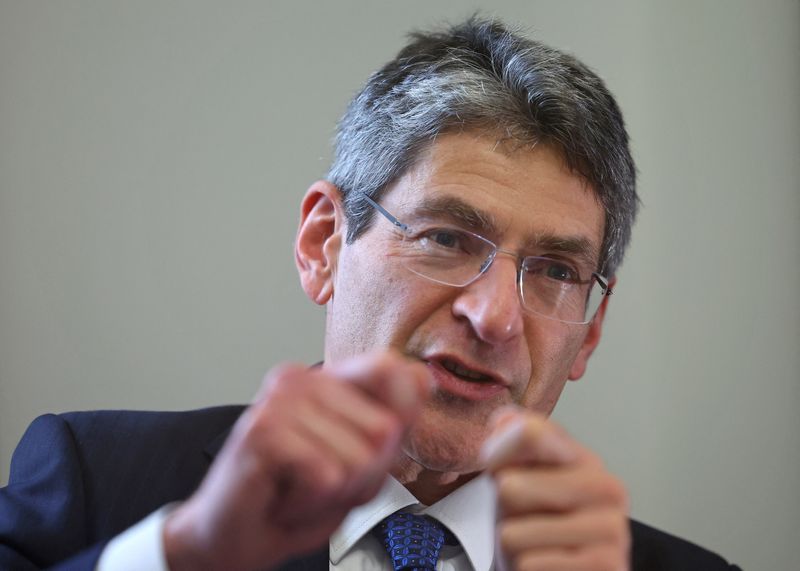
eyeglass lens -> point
(548, 287)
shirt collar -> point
(392, 497)
(469, 512)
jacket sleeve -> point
(43, 520)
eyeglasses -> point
(548, 287)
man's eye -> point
(552, 269)
(560, 272)
(442, 237)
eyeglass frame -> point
(602, 281)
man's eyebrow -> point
(577, 246)
(481, 222)
(456, 210)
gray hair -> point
(479, 75)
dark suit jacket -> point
(79, 479)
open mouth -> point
(455, 378)
(464, 373)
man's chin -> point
(455, 453)
(456, 467)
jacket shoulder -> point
(133, 428)
(140, 460)
(108, 469)
(78, 479)
(656, 550)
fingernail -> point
(500, 445)
(503, 416)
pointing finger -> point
(398, 383)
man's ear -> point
(319, 239)
(592, 338)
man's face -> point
(526, 201)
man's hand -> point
(314, 444)
(558, 507)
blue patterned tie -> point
(412, 541)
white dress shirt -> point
(469, 512)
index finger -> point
(399, 383)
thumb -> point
(523, 437)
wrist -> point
(182, 549)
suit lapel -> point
(316, 561)
(215, 445)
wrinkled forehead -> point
(434, 158)
(500, 190)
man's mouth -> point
(467, 374)
(455, 377)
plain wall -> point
(152, 158)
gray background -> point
(152, 157)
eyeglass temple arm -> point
(604, 284)
(388, 216)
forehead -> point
(514, 193)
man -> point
(465, 245)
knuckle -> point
(383, 428)
(503, 484)
(562, 501)
(603, 559)
(253, 429)
(533, 428)
(622, 537)
(328, 478)
(526, 562)
(615, 532)
(616, 491)
(594, 460)
(506, 537)
(508, 488)
(281, 372)
(605, 487)
(361, 459)
(280, 375)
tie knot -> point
(412, 541)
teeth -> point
(463, 372)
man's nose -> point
(491, 303)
